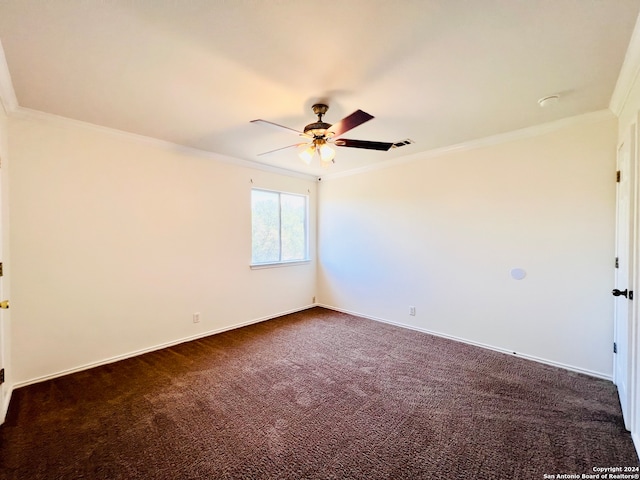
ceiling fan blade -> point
(347, 123)
(283, 148)
(345, 142)
(297, 132)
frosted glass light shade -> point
(307, 154)
(326, 153)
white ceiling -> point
(195, 72)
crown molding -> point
(537, 130)
(7, 93)
(628, 73)
(30, 114)
(524, 133)
(9, 102)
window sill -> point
(260, 266)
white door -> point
(4, 393)
(623, 279)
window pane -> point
(279, 227)
(265, 222)
(294, 231)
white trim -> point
(142, 351)
(634, 336)
(529, 132)
(5, 408)
(628, 72)
(552, 363)
(523, 133)
(634, 272)
(636, 441)
(10, 102)
(260, 266)
(30, 114)
(7, 93)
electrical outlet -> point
(412, 311)
(196, 317)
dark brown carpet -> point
(315, 395)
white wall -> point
(443, 233)
(117, 242)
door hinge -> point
(617, 263)
(615, 347)
(1, 269)
(618, 176)
(1, 376)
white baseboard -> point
(636, 441)
(635, 436)
(477, 344)
(5, 404)
(153, 348)
(269, 317)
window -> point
(279, 226)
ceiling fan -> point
(322, 135)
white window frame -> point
(281, 263)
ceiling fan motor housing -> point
(318, 129)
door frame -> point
(5, 332)
(634, 331)
(624, 273)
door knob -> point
(4, 304)
(617, 293)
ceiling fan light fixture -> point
(322, 134)
(306, 154)
(327, 154)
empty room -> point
(285, 239)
